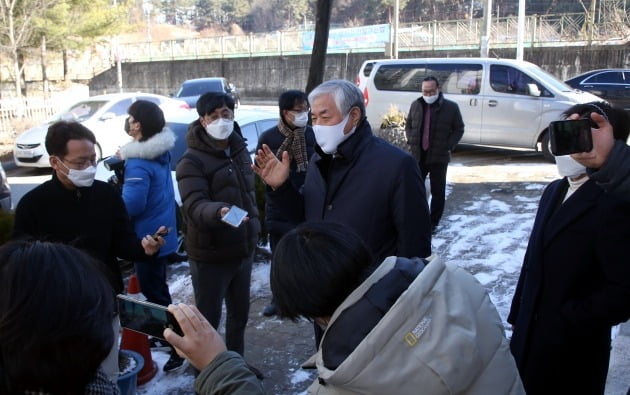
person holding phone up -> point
(149, 196)
(608, 163)
(214, 175)
(575, 280)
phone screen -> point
(234, 216)
(145, 317)
(570, 136)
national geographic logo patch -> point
(411, 338)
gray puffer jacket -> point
(208, 179)
(411, 329)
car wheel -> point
(544, 147)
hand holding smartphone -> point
(234, 216)
(571, 136)
(161, 233)
(145, 317)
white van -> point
(503, 102)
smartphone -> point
(234, 216)
(570, 136)
(145, 317)
(162, 233)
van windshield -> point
(550, 80)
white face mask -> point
(81, 178)
(220, 129)
(568, 167)
(329, 137)
(430, 99)
(300, 119)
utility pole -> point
(520, 34)
(485, 39)
(395, 38)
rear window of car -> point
(607, 77)
(454, 78)
(198, 88)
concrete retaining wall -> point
(264, 78)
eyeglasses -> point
(80, 164)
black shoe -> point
(270, 310)
(175, 362)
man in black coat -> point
(292, 134)
(434, 126)
(353, 178)
(72, 208)
(575, 281)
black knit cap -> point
(149, 115)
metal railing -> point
(540, 30)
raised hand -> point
(272, 171)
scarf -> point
(295, 144)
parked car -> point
(192, 89)
(504, 102)
(5, 191)
(252, 123)
(104, 115)
(612, 85)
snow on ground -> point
(486, 234)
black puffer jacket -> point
(447, 128)
(208, 179)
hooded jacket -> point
(447, 128)
(209, 178)
(148, 188)
(410, 327)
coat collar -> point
(582, 200)
(151, 148)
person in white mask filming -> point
(214, 177)
(575, 280)
(353, 178)
(72, 208)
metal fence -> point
(540, 30)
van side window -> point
(453, 78)
(400, 77)
(458, 79)
(507, 79)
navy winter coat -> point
(574, 285)
(369, 185)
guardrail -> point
(540, 30)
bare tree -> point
(320, 45)
(16, 29)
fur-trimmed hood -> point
(149, 149)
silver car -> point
(104, 115)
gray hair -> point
(345, 93)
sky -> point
(485, 230)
